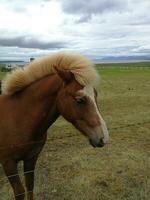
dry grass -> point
(70, 169)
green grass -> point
(70, 169)
(139, 65)
(2, 74)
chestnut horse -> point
(33, 98)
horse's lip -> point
(92, 144)
(96, 145)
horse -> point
(33, 98)
(0, 86)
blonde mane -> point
(80, 66)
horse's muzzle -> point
(94, 143)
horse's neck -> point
(41, 96)
(45, 88)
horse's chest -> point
(32, 149)
(22, 151)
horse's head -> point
(77, 104)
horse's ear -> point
(66, 76)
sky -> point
(98, 29)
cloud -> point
(26, 42)
(94, 28)
(15, 53)
(142, 50)
(140, 21)
(84, 18)
(21, 6)
(88, 8)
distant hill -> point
(17, 62)
(122, 59)
(101, 59)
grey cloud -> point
(21, 7)
(84, 18)
(141, 21)
(24, 42)
(15, 53)
(142, 51)
(88, 8)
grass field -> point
(70, 169)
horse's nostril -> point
(97, 144)
(101, 143)
(91, 143)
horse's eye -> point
(80, 100)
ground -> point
(70, 169)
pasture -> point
(70, 169)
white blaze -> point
(89, 91)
